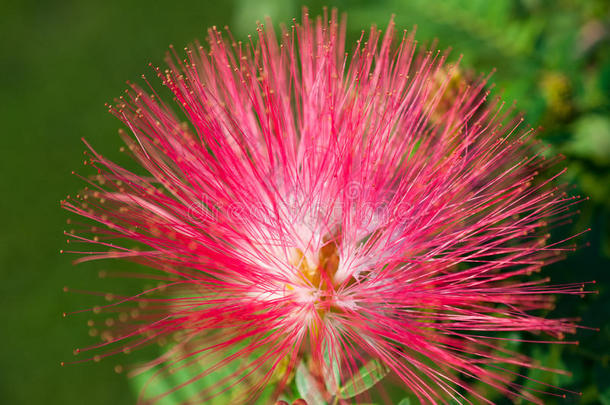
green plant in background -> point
(61, 61)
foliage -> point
(63, 60)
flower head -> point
(307, 208)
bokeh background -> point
(60, 61)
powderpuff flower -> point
(324, 216)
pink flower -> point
(307, 207)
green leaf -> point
(165, 382)
(552, 357)
(405, 401)
(371, 373)
(157, 387)
(332, 381)
(591, 139)
(307, 386)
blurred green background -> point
(61, 60)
